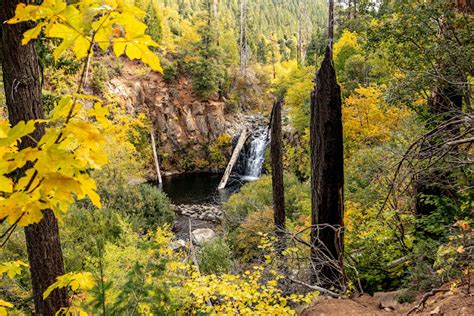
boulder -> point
(178, 244)
(388, 300)
(203, 235)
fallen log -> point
(235, 155)
(155, 157)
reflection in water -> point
(199, 188)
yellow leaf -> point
(6, 184)
(133, 51)
(12, 268)
(17, 132)
(32, 33)
(81, 47)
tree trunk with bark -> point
(24, 102)
(277, 176)
(327, 176)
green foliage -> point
(208, 75)
(256, 196)
(248, 235)
(244, 211)
(144, 205)
(170, 71)
(415, 46)
(295, 85)
(219, 151)
(214, 257)
(100, 77)
(83, 228)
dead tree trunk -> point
(299, 47)
(327, 177)
(243, 35)
(24, 102)
(155, 158)
(277, 176)
(216, 21)
(331, 26)
(233, 159)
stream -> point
(195, 197)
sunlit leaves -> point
(79, 26)
(83, 281)
(12, 268)
(71, 145)
(368, 119)
(4, 305)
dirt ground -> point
(445, 302)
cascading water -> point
(253, 155)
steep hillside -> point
(186, 126)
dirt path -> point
(442, 303)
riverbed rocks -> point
(202, 235)
(204, 212)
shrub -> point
(249, 234)
(170, 71)
(218, 151)
(144, 205)
(215, 257)
(100, 76)
(83, 229)
(257, 196)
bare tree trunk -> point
(216, 21)
(273, 41)
(331, 26)
(327, 176)
(277, 176)
(243, 35)
(24, 102)
(299, 48)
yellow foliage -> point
(69, 146)
(79, 26)
(368, 119)
(12, 268)
(347, 40)
(246, 294)
(72, 144)
(82, 281)
(4, 306)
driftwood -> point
(317, 288)
(155, 157)
(421, 305)
(235, 155)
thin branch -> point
(317, 288)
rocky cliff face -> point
(184, 125)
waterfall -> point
(251, 159)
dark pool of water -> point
(199, 188)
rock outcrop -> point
(182, 122)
